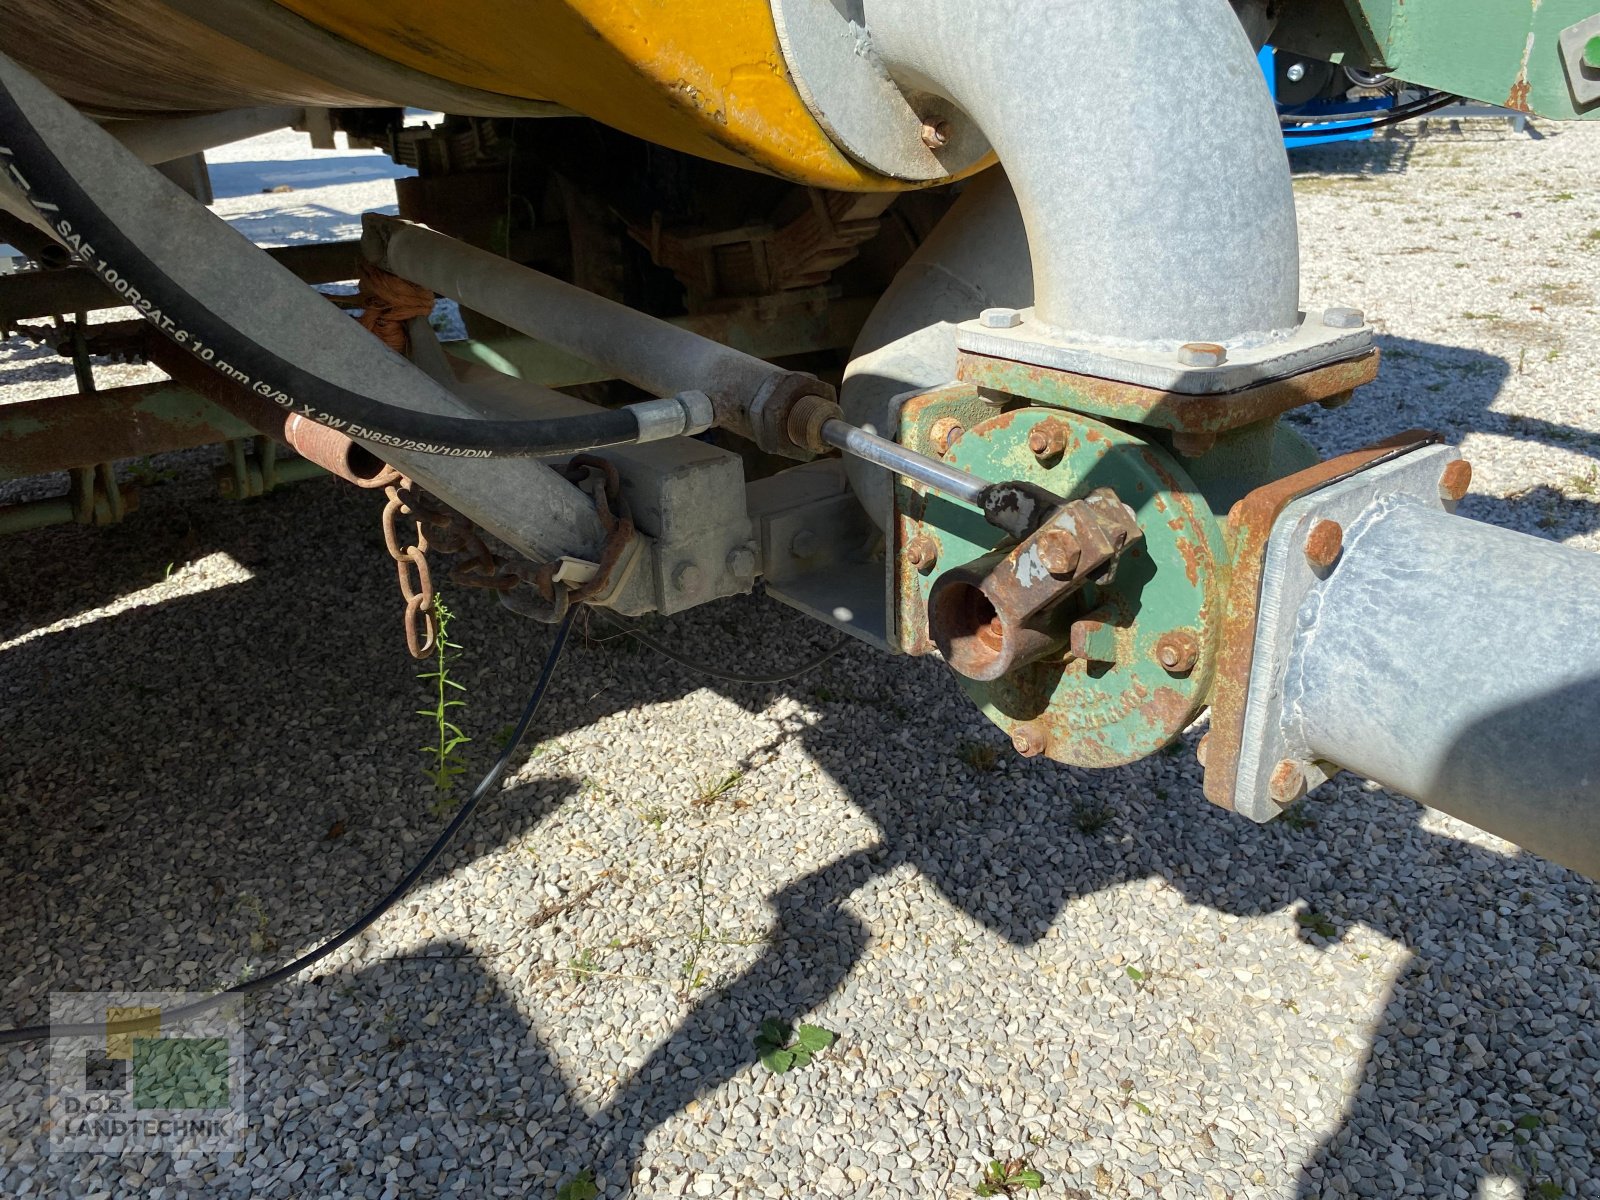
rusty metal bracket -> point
(1177, 412)
(1249, 527)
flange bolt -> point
(922, 552)
(1030, 739)
(1323, 544)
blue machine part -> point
(1345, 119)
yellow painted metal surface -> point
(702, 76)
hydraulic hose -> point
(215, 294)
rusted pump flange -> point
(1104, 693)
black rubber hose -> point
(49, 185)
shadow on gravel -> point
(1477, 1028)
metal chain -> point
(411, 566)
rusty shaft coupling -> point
(995, 614)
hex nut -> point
(922, 552)
(1340, 317)
(742, 562)
(1048, 440)
(1030, 739)
(1202, 354)
(1455, 481)
(944, 433)
(1178, 651)
(1324, 544)
(687, 577)
(804, 544)
(936, 134)
(1059, 551)
(1288, 782)
(999, 318)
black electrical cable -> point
(34, 1033)
(34, 165)
(1405, 113)
(643, 639)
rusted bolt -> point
(944, 433)
(1202, 354)
(1323, 544)
(936, 134)
(1456, 479)
(1048, 440)
(742, 562)
(1200, 750)
(1000, 318)
(803, 544)
(1030, 739)
(1177, 652)
(686, 577)
(1059, 551)
(1343, 318)
(922, 552)
(1193, 445)
(1288, 782)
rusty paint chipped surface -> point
(1173, 411)
(1249, 528)
(1096, 713)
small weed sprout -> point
(580, 1187)
(783, 1048)
(1008, 1177)
(1318, 923)
(1091, 818)
(444, 751)
(719, 789)
(980, 756)
(584, 967)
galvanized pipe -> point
(1155, 215)
(1456, 662)
(643, 350)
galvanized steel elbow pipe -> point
(1154, 214)
(1133, 214)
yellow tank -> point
(703, 76)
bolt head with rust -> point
(936, 134)
(922, 552)
(1193, 445)
(1455, 481)
(944, 433)
(1059, 552)
(1030, 739)
(1323, 544)
(1048, 440)
(1178, 651)
(1288, 782)
(1202, 354)
(1200, 750)
(687, 577)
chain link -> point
(411, 565)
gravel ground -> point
(210, 762)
